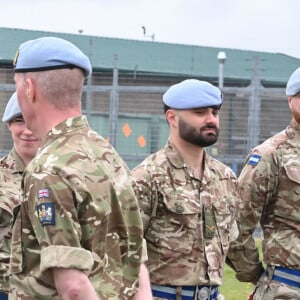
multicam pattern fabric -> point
(270, 189)
(97, 224)
(268, 289)
(188, 222)
(11, 169)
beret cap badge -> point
(16, 58)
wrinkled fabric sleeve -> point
(257, 185)
(144, 194)
(60, 242)
(67, 258)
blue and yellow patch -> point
(254, 159)
(46, 213)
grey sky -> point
(259, 25)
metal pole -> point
(114, 104)
(221, 75)
(254, 106)
(221, 58)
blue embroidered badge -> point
(46, 213)
(254, 159)
(43, 193)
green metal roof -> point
(162, 58)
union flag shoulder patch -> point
(44, 193)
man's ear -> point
(171, 116)
(290, 101)
(30, 90)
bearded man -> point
(188, 199)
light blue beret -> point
(293, 84)
(12, 109)
(49, 53)
(192, 93)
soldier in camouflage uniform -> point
(79, 231)
(188, 199)
(12, 166)
(270, 187)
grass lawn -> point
(232, 289)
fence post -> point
(254, 106)
(114, 104)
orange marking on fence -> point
(126, 130)
(142, 142)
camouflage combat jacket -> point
(11, 170)
(188, 222)
(80, 212)
(270, 187)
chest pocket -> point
(293, 173)
(174, 222)
(224, 216)
(287, 204)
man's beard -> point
(196, 136)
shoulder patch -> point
(43, 193)
(46, 213)
(254, 159)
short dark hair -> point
(166, 107)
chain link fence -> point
(128, 112)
